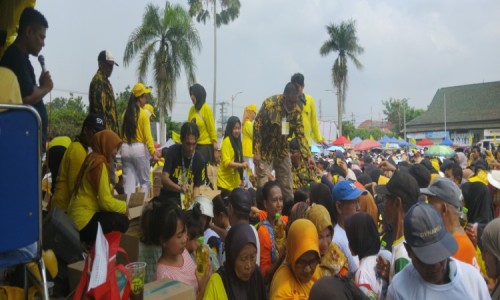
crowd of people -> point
(286, 224)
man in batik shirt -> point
(278, 119)
(302, 175)
(101, 96)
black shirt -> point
(195, 171)
(19, 63)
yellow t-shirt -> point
(247, 133)
(143, 132)
(205, 122)
(11, 94)
(227, 178)
(86, 202)
(310, 120)
(71, 164)
(215, 288)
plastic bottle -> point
(463, 217)
(279, 231)
(202, 257)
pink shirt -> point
(185, 273)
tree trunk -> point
(339, 109)
(163, 128)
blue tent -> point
(315, 149)
(446, 142)
(356, 140)
(384, 140)
(394, 140)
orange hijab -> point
(103, 143)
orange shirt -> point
(266, 243)
(466, 251)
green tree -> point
(202, 9)
(122, 102)
(66, 116)
(342, 39)
(398, 112)
(165, 42)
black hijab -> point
(238, 237)
(478, 202)
(199, 94)
(335, 288)
(362, 234)
(235, 142)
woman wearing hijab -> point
(201, 114)
(364, 242)
(138, 147)
(239, 278)
(92, 200)
(479, 205)
(230, 174)
(247, 133)
(295, 277)
(491, 254)
(333, 260)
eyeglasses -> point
(303, 263)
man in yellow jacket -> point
(309, 117)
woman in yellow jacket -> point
(230, 174)
(138, 146)
(247, 133)
(92, 201)
(201, 114)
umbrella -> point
(447, 142)
(367, 145)
(315, 149)
(340, 141)
(384, 140)
(440, 150)
(335, 148)
(425, 142)
(356, 140)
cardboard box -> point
(135, 204)
(74, 273)
(130, 243)
(168, 289)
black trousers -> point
(110, 221)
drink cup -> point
(136, 271)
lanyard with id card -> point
(285, 126)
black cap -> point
(421, 174)
(401, 184)
(94, 121)
(241, 201)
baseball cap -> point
(252, 107)
(206, 205)
(426, 234)
(421, 174)
(494, 178)
(346, 190)
(241, 201)
(401, 184)
(149, 108)
(105, 55)
(140, 89)
(444, 189)
(94, 121)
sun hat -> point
(494, 178)
(206, 205)
(427, 236)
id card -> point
(285, 127)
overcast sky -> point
(412, 48)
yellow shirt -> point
(247, 133)
(205, 122)
(71, 164)
(11, 94)
(143, 132)
(86, 202)
(227, 178)
(215, 288)
(310, 120)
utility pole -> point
(222, 113)
(232, 102)
(352, 118)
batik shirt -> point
(267, 138)
(302, 176)
(102, 101)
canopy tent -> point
(356, 140)
(315, 149)
(394, 140)
(384, 140)
(446, 142)
(340, 141)
(425, 142)
(367, 145)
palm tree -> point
(164, 41)
(342, 39)
(230, 10)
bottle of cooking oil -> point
(202, 257)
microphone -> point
(41, 60)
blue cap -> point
(346, 190)
(426, 234)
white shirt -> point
(466, 283)
(367, 275)
(340, 239)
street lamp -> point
(232, 102)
